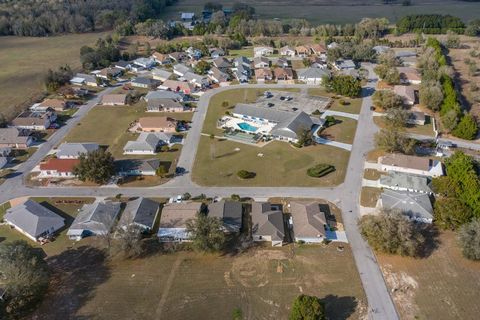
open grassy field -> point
(339, 11)
(261, 283)
(353, 106)
(443, 286)
(25, 61)
(342, 131)
(281, 165)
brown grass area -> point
(369, 196)
(372, 174)
(443, 286)
(426, 129)
(373, 155)
(262, 283)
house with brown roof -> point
(114, 99)
(55, 104)
(165, 105)
(174, 218)
(157, 124)
(15, 138)
(317, 49)
(309, 222)
(302, 51)
(58, 168)
(177, 86)
(423, 166)
(161, 58)
(263, 74)
(267, 223)
(409, 75)
(32, 120)
(287, 51)
(407, 93)
(283, 73)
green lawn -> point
(281, 164)
(25, 61)
(426, 129)
(245, 51)
(354, 105)
(342, 131)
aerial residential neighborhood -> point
(247, 160)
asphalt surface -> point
(346, 195)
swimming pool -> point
(246, 127)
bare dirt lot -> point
(443, 286)
(261, 283)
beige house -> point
(114, 99)
(174, 218)
(407, 93)
(287, 51)
(157, 124)
(263, 74)
(55, 104)
(423, 166)
(267, 224)
(308, 222)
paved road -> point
(380, 303)
(460, 143)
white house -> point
(58, 168)
(74, 150)
(423, 166)
(262, 51)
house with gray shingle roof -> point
(229, 212)
(180, 69)
(137, 167)
(15, 138)
(313, 75)
(34, 220)
(69, 150)
(148, 143)
(416, 206)
(267, 223)
(94, 219)
(309, 222)
(141, 212)
(164, 94)
(406, 182)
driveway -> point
(340, 114)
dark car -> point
(179, 171)
(372, 108)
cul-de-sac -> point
(180, 159)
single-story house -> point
(69, 150)
(108, 73)
(177, 86)
(165, 105)
(283, 73)
(58, 168)
(148, 143)
(416, 206)
(242, 60)
(313, 75)
(407, 93)
(242, 73)
(137, 167)
(263, 74)
(332, 45)
(409, 75)
(173, 220)
(401, 181)
(145, 63)
(142, 82)
(123, 65)
(417, 118)
(34, 220)
(94, 219)
(344, 64)
(164, 94)
(161, 58)
(55, 104)
(181, 69)
(222, 63)
(194, 53)
(282, 63)
(302, 51)
(411, 164)
(196, 80)
(309, 222)
(157, 124)
(84, 79)
(317, 62)
(287, 51)
(262, 51)
(216, 52)
(5, 151)
(229, 212)
(141, 212)
(161, 74)
(318, 49)
(380, 49)
(34, 120)
(267, 223)
(261, 62)
(114, 99)
(217, 75)
(177, 56)
(15, 138)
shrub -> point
(244, 174)
(320, 170)
(307, 307)
(469, 238)
(467, 128)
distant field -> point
(25, 61)
(343, 11)
(262, 283)
(443, 286)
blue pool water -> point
(245, 126)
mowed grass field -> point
(262, 283)
(353, 105)
(443, 286)
(280, 164)
(339, 11)
(25, 61)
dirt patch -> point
(402, 288)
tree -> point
(451, 213)
(467, 128)
(97, 166)
(449, 120)
(307, 308)
(394, 140)
(387, 100)
(453, 40)
(244, 174)
(206, 233)
(24, 275)
(305, 138)
(202, 67)
(469, 238)
(396, 118)
(391, 232)
(343, 85)
(129, 240)
(161, 171)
